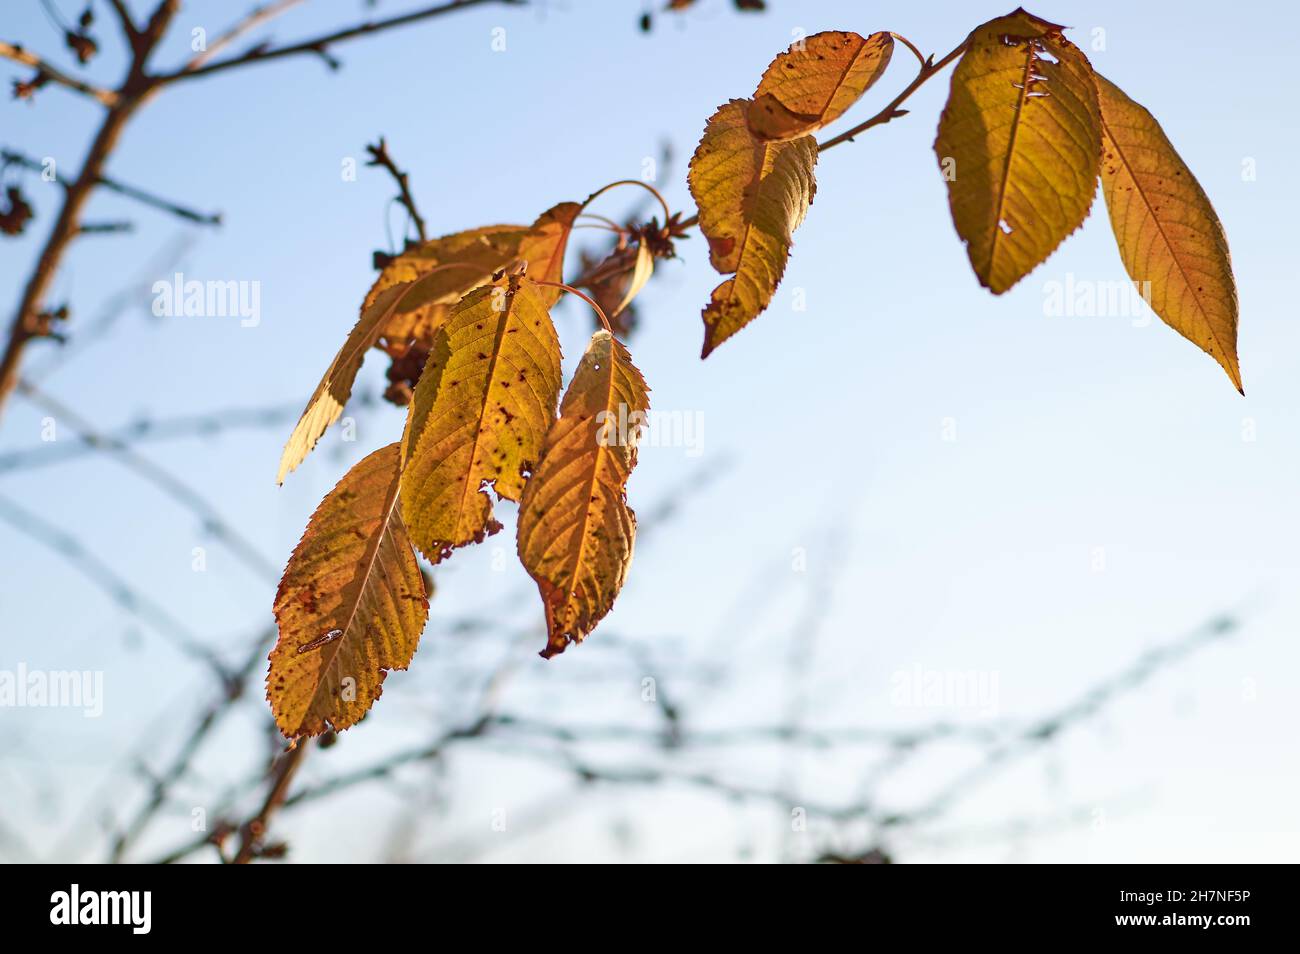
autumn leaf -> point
(814, 82)
(642, 270)
(351, 604)
(479, 415)
(465, 260)
(544, 246)
(331, 395)
(1169, 237)
(751, 195)
(576, 530)
(1019, 144)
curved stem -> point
(584, 296)
(633, 182)
(910, 45)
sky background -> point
(1078, 439)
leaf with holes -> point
(1169, 237)
(751, 195)
(1019, 145)
(351, 604)
(576, 530)
(814, 82)
(479, 415)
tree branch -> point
(320, 45)
(379, 157)
(44, 71)
(256, 18)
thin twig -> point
(44, 71)
(9, 157)
(108, 579)
(379, 156)
(161, 478)
(321, 44)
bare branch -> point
(129, 28)
(379, 156)
(107, 579)
(11, 157)
(258, 17)
(155, 429)
(161, 478)
(232, 690)
(320, 45)
(44, 71)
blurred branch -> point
(47, 73)
(232, 690)
(259, 16)
(171, 485)
(148, 430)
(11, 157)
(107, 579)
(319, 46)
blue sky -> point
(1101, 495)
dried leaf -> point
(479, 415)
(751, 196)
(330, 396)
(1169, 237)
(815, 82)
(544, 247)
(576, 530)
(1019, 143)
(641, 272)
(351, 604)
(468, 259)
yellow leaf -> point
(544, 246)
(1019, 144)
(641, 271)
(465, 260)
(815, 82)
(751, 196)
(351, 604)
(330, 396)
(479, 414)
(575, 528)
(1169, 237)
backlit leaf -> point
(544, 247)
(641, 272)
(1169, 237)
(480, 414)
(1019, 144)
(330, 396)
(351, 604)
(814, 82)
(751, 196)
(576, 530)
(465, 260)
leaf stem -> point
(600, 312)
(633, 182)
(928, 69)
(910, 45)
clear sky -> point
(1106, 491)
